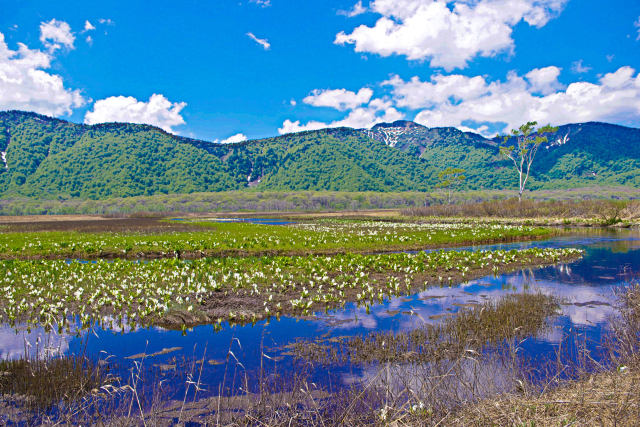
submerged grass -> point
(513, 317)
(38, 385)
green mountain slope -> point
(49, 158)
(576, 155)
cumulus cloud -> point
(239, 137)
(544, 80)
(262, 42)
(482, 105)
(615, 98)
(377, 111)
(358, 9)
(340, 99)
(25, 85)
(55, 34)
(447, 33)
(158, 111)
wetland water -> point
(586, 286)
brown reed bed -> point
(596, 212)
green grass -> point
(220, 239)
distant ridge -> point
(46, 157)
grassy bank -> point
(239, 239)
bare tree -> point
(528, 141)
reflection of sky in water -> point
(14, 342)
(586, 287)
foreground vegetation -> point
(177, 293)
(241, 239)
(483, 379)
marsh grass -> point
(577, 389)
(178, 293)
(40, 385)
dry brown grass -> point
(605, 212)
(603, 399)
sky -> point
(228, 70)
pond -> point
(586, 287)
(262, 221)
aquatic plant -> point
(173, 292)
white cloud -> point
(261, 3)
(158, 111)
(239, 137)
(378, 111)
(544, 80)
(89, 40)
(417, 94)
(88, 26)
(106, 21)
(614, 98)
(358, 9)
(579, 67)
(262, 42)
(637, 25)
(55, 34)
(448, 33)
(25, 85)
(340, 99)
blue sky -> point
(215, 69)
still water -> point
(586, 286)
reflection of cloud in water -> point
(13, 343)
(354, 318)
(583, 305)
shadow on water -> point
(585, 288)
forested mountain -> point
(48, 158)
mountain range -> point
(44, 157)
